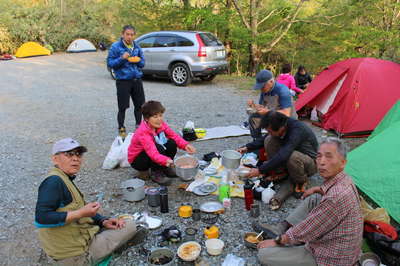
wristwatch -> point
(278, 240)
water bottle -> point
(164, 200)
(224, 189)
(248, 194)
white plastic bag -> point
(267, 194)
(232, 260)
(189, 125)
(124, 151)
(314, 114)
(114, 154)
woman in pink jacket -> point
(154, 145)
(288, 80)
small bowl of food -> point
(161, 256)
(189, 251)
(251, 240)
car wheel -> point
(111, 73)
(208, 77)
(180, 74)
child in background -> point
(302, 78)
(154, 145)
(287, 79)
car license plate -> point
(221, 53)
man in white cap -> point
(273, 96)
(69, 228)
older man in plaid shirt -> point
(328, 221)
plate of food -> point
(197, 190)
(208, 187)
(189, 251)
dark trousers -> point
(254, 125)
(129, 89)
(143, 162)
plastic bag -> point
(268, 193)
(124, 151)
(232, 260)
(189, 125)
(314, 114)
(371, 214)
(114, 154)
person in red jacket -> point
(154, 145)
(287, 79)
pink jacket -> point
(143, 140)
(288, 80)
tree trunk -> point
(254, 58)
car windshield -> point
(210, 40)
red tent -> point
(353, 95)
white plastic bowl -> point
(214, 246)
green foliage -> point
(323, 32)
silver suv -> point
(183, 55)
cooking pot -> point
(133, 189)
(231, 159)
(161, 256)
(186, 167)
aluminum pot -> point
(133, 189)
(161, 255)
(186, 167)
(231, 159)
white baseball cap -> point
(67, 144)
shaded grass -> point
(238, 82)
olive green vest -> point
(71, 239)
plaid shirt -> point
(333, 230)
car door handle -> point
(172, 50)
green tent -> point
(390, 118)
(375, 165)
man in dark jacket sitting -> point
(290, 144)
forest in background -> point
(257, 33)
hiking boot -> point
(169, 172)
(159, 177)
(271, 231)
(122, 132)
(299, 190)
(144, 174)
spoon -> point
(259, 234)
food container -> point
(153, 197)
(133, 189)
(185, 211)
(214, 246)
(190, 234)
(186, 167)
(231, 159)
(370, 259)
(243, 172)
(161, 256)
(211, 232)
(189, 251)
(250, 240)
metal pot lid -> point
(199, 192)
(153, 191)
(211, 206)
(133, 183)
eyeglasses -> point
(70, 154)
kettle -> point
(211, 232)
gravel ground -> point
(44, 99)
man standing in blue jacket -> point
(127, 60)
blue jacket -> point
(124, 69)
